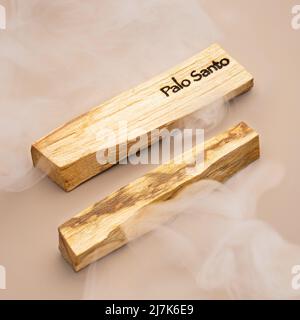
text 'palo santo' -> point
(196, 76)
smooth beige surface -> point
(259, 35)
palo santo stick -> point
(99, 229)
(68, 154)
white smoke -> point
(214, 247)
(59, 58)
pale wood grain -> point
(68, 154)
(100, 229)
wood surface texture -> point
(68, 154)
(113, 221)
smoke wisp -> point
(60, 58)
(214, 246)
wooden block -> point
(99, 229)
(68, 154)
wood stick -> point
(68, 154)
(99, 229)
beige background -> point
(259, 35)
